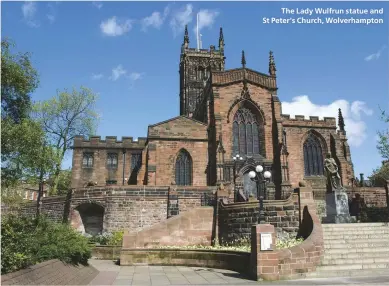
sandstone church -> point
(223, 113)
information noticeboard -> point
(266, 241)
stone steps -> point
(357, 244)
(347, 273)
(369, 260)
(355, 249)
(352, 242)
(354, 225)
(356, 237)
(361, 232)
(356, 255)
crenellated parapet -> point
(238, 75)
(312, 122)
(110, 142)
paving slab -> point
(111, 274)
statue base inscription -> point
(337, 208)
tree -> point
(380, 175)
(18, 80)
(26, 159)
(65, 116)
(64, 182)
(383, 142)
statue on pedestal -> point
(336, 198)
(332, 172)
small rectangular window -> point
(87, 161)
(112, 160)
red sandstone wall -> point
(225, 97)
(373, 196)
(190, 228)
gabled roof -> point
(178, 128)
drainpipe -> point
(124, 163)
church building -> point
(229, 122)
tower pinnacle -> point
(221, 40)
(272, 65)
(186, 37)
(243, 60)
(341, 121)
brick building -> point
(222, 113)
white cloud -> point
(134, 76)
(97, 4)
(97, 76)
(375, 56)
(114, 27)
(355, 127)
(206, 19)
(117, 73)
(51, 16)
(29, 9)
(155, 20)
(181, 18)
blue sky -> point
(128, 53)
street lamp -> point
(258, 176)
(236, 158)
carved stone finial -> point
(243, 60)
(302, 184)
(341, 121)
(221, 36)
(272, 64)
(186, 36)
(221, 187)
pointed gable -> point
(180, 127)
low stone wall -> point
(106, 252)
(190, 228)
(373, 196)
(294, 261)
(52, 272)
(232, 260)
(236, 219)
(128, 208)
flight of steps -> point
(354, 249)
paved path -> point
(111, 274)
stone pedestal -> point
(337, 207)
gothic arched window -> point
(313, 156)
(183, 169)
(245, 130)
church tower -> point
(195, 67)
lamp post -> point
(236, 158)
(258, 176)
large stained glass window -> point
(245, 129)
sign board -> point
(266, 241)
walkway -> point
(111, 274)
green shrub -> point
(107, 238)
(25, 242)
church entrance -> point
(249, 186)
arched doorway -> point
(92, 216)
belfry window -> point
(87, 160)
(245, 131)
(183, 169)
(313, 156)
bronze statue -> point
(332, 172)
